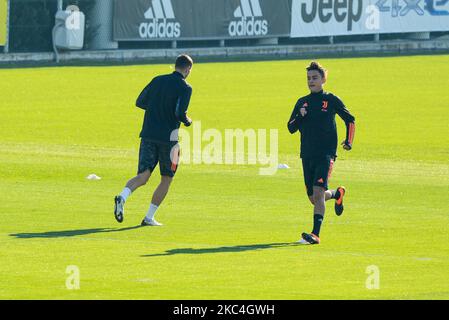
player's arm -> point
(349, 120)
(294, 124)
(144, 99)
(182, 106)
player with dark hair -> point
(165, 101)
(314, 117)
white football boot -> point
(152, 222)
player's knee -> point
(144, 177)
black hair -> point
(183, 61)
(318, 67)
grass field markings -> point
(424, 259)
(401, 178)
(394, 167)
(147, 280)
(356, 165)
(66, 150)
(385, 168)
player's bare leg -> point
(158, 197)
(161, 190)
(140, 180)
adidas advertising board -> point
(249, 20)
(149, 20)
(160, 21)
(312, 18)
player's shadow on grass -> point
(240, 248)
(69, 233)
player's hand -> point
(188, 123)
(303, 112)
(346, 146)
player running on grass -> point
(314, 117)
(165, 101)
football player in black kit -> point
(165, 101)
(314, 117)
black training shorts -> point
(317, 172)
(151, 153)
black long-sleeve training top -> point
(318, 128)
(165, 101)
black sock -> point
(317, 221)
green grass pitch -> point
(228, 232)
